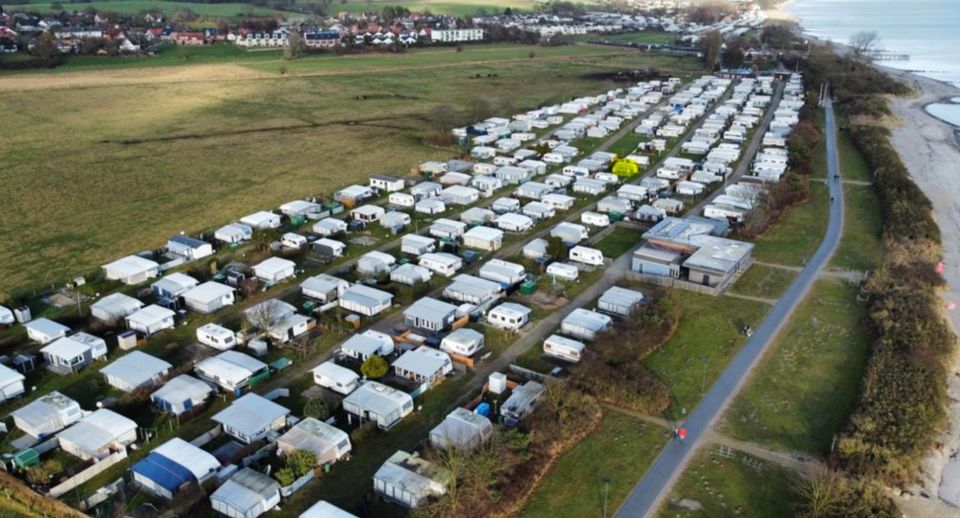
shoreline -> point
(929, 149)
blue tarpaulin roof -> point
(165, 472)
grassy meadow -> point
(731, 484)
(803, 390)
(101, 162)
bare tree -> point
(863, 43)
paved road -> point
(656, 484)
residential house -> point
(114, 307)
(379, 403)
(468, 289)
(188, 248)
(262, 220)
(209, 297)
(415, 244)
(134, 370)
(96, 435)
(132, 269)
(251, 418)
(423, 365)
(181, 394)
(461, 429)
(47, 415)
(409, 480)
(324, 288)
(274, 269)
(447, 229)
(232, 370)
(504, 273)
(171, 287)
(70, 354)
(430, 314)
(151, 320)
(246, 494)
(327, 442)
(172, 467)
(365, 300)
(483, 238)
(366, 344)
(233, 233)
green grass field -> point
(638, 37)
(708, 335)
(218, 10)
(805, 387)
(619, 241)
(764, 281)
(852, 164)
(100, 162)
(860, 247)
(741, 486)
(619, 451)
(799, 232)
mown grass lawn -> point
(633, 37)
(742, 486)
(708, 335)
(213, 10)
(852, 164)
(860, 246)
(125, 177)
(619, 451)
(802, 392)
(797, 235)
(764, 281)
(619, 241)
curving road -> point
(645, 499)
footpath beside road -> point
(646, 497)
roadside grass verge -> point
(741, 486)
(860, 246)
(764, 281)
(710, 332)
(795, 238)
(620, 451)
(805, 387)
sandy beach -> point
(929, 149)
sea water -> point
(927, 30)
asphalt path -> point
(646, 497)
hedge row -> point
(903, 400)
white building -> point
(423, 365)
(379, 403)
(70, 354)
(274, 269)
(132, 269)
(456, 35)
(620, 301)
(409, 480)
(585, 324)
(181, 394)
(483, 238)
(442, 263)
(251, 418)
(461, 429)
(247, 494)
(209, 297)
(365, 300)
(47, 415)
(135, 370)
(114, 308)
(151, 320)
(95, 435)
(327, 442)
(231, 370)
(262, 220)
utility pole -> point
(606, 491)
